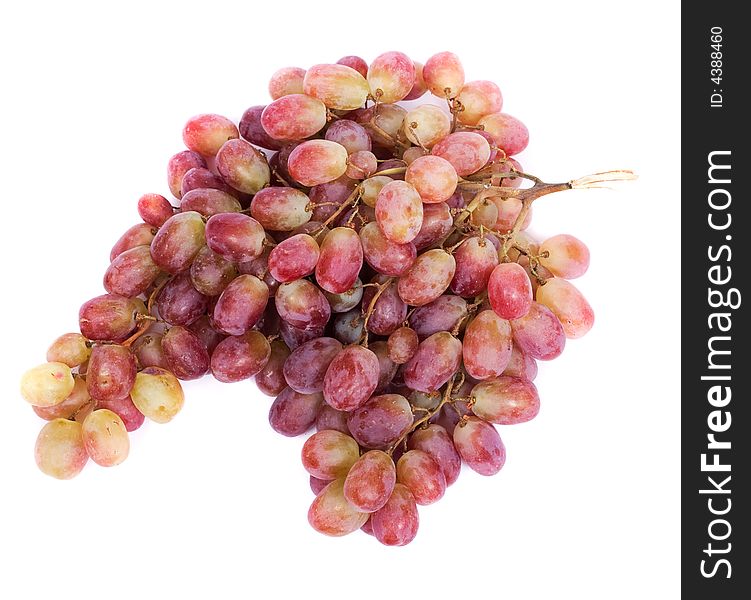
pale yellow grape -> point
(105, 438)
(59, 450)
(71, 349)
(371, 187)
(48, 384)
(426, 124)
(157, 394)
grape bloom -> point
(365, 262)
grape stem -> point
(351, 199)
(382, 287)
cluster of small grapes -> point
(373, 274)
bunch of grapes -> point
(367, 263)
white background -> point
(214, 504)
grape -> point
(239, 357)
(427, 278)
(330, 418)
(440, 315)
(391, 76)
(485, 214)
(203, 179)
(569, 305)
(148, 351)
(329, 454)
(209, 202)
(306, 366)
(108, 317)
(381, 421)
(71, 349)
(418, 471)
(302, 304)
(436, 225)
(235, 236)
(157, 394)
(349, 134)
(396, 523)
(111, 372)
(521, 365)
(178, 166)
(252, 130)
(436, 442)
(270, 379)
(382, 125)
(349, 327)
(345, 301)
(281, 208)
(105, 438)
(293, 413)
(510, 134)
(444, 75)
(242, 166)
(59, 450)
(480, 446)
(361, 164)
(131, 273)
(138, 235)
(125, 409)
(402, 345)
(385, 256)
(317, 485)
(179, 303)
(294, 336)
(386, 367)
(205, 134)
(294, 258)
(372, 186)
(436, 360)
(465, 150)
(78, 397)
(477, 99)
(356, 63)
(206, 332)
(294, 117)
(317, 161)
(241, 305)
(340, 260)
(352, 376)
(568, 256)
(509, 291)
(154, 209)
(433, 177)
(506, 400)
(332, 515)
(389, 310)
(539, 333)
(487, 345)
(185, 353)
(425, 125)
(399, 211)
(339, 87)
(475, 260)
(419, 87)
(210, 273)
(178, 241)
(501, 171)
(370, 481)
(285, 81)
(508, 213)
(412, 154)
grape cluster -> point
(366, 262)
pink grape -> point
(329, 454)
(521, 365)
(568, 304)
(389, 310)
(349, 134)
(485, 214)
(340, 260)
(138, 235)
(475, 261)
(330, 418)
(209, 202)
(235, 236)
(480, 446)
(426, 125)
(418, 87)
(436, 225)
(506, 400)
(402, 345)
(59, 451)
(211, 273)
(306, 366)
(465, 150)
(332, 515)
(539, 333)
(201, 179)
(435, 441)
(356, 63)
(280, 208)
(361, 164)
(294, 117)
(339, 87)
(317, 161)
(370, 481)
(285, 81)
(239, 357)
(436, 360)
(131, 273)
(396, 523)
(242, 166)
(399, 211)
(105, 438)
(386, 367)
(206, 332)
(427, 278)
(252, 130)
(383, 125)
(412, 154)
(292, 413)
(385, 256)
(270, 379)
(71, 349)
(179, 303)
(294, 258)
(294, 336)
(205, 134)
(178, 166)
(418, 471)
(487, 345)
(185, 353)
(501, 172)
(509, 291)
(241, 305)
(352, 376)
(109, 318)
(381, 421)
(111, 372)
(440, 315)
(510, 134)
(302, 304)
(178, 241)
(391, 76)
(124, 408)
(478, 99)
(154, 209)
(508, 212)
(444, 75)
(433, 177)
(568, 256)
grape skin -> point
(292, 413)
(351, 377)
(396, 523)
(332, 515)
(418, 471)
(105, 438)
(506, 400)
(569, 305)
(47, 385)
(59, 449)
(436, 360)
(370, 481)
(329, 454)
(70, 349)
(480, 446)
